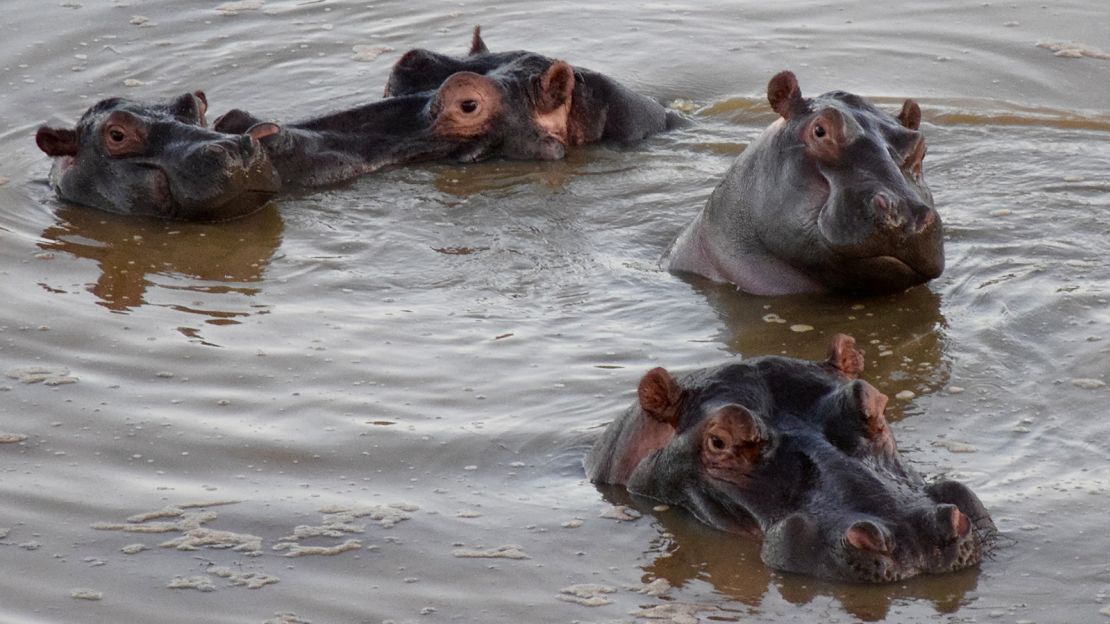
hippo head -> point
(858, 190)
(159, 160)
(511, 104)
(420, 70)
(519, 111)
(853, 511)
(799, 452)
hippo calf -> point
(159, 159)
(799, 452)
(830, 198)
(563, 105)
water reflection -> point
(500, 177)
(687, 551)
(134, 254)
(903, 336)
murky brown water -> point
(433, 347)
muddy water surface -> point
(394, 381)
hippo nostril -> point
(869, 536)
(952, 522)
(889, 210)
(923, 216)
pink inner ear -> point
(865, 535)
(57, 141)
(557, 85)
(844, 356)
(202, 107)
(262, 130)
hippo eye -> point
(116, 135)
(468, 106)
(717, 443)
(819, 131)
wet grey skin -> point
(599, 108)
(158, 159)
(339, 146)
(798, 452)
(830, 198)
(520, 110)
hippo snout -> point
(908, 216)
(952, 524)
(231, 153)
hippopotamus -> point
(161, 160)
(565, 105)
(799, 452)
(830, 198)
(338, 146)
(158, 159)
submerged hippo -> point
(568, 105)
(335, 147)
(831, 197)
(799, 452)
(159, 160)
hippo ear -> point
(660, 396)
(189, 108)
(57, 141)
(856, 421)
(784, 95)
(234, 121)
(262, 130)
(556, 87)
(844, 356)
(477, 46)
(202, 105)
(416, 62)
(910, 116)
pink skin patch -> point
(647, 435)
